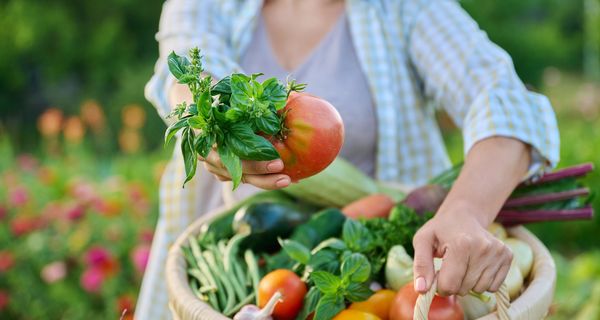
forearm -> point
(492, 169)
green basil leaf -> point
(256, 75)
(356, 292)
(333, 243)
(204, 104)
(310, 303)
(325, 260)
(295, 250)
(178, 66)
(192, 109)
(203, 144)
(275, 93)
(222, 87)
(197, 122)
(233, 164)
(174, 128)
(190, 158)
(241, 92)
(257, 89)
(234, 114)
(325, 281)
(356, 236)
(329, 306)
(268, 123)
(356, 267)
(248, 145)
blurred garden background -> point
(81, 150)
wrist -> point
(462, 210)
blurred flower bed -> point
(76, 229)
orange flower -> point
(133, 116)
(92, 115)
(74, 130)
(50, 122)
(130, 140)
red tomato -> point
(290, 286)
(312, 138)
(442, 308)
(372, 206)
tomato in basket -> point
(442, 308)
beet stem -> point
(574, 171)
(512, 217)
(544, 198)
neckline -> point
(322, 42)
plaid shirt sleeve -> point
(475, 82)
(185, 24)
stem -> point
(543, 198)
(512, 217)
(574, 171)
(268, 309)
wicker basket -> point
(532, 304)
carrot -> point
(371, 206)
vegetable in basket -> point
(291, 288)
(250, 120)
(442, 308)
(252, 312)
(379, 304)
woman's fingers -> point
(454, 267)
(267, 181)
(500, 276)
(248, 167)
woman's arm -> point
(473, 258)
(509, 133)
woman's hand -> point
(473, 258)
(262, 174)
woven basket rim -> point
(533, 303)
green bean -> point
(238, 306)
(229, 276)
(212, 298)
(239, 273)
(252, 269)
(212, 264)
(210, 275)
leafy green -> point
(230, 114)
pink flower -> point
(54, 272)
(97, 256)
(18, 197)
(139, 257)
(27, 162)
(92, 279)
(7, 260)
(146, 236)
(75, 211)
(4, 299)
(84, 192)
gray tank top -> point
(332, 72)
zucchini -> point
(339, 184)
(264, 222)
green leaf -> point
(241, 92)
(223, 86)
(333, 243)
(203, 144)
(174, 128)
(178, 66)
(310, 302)
(356, 267)
(268, 123)
(248, 145)
(234, 114)
(329, 306)
(325, 281)
(356, 236)
(197, 122)
(356, 292)
(204, 103)
(295, 250)
(325, 260)
(190, 158)
(257, 89)
(233, 164)
(275, 93)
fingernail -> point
(283, 182)
(275, 166)
(420, 284)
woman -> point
(385, 65)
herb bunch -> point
(227, 115)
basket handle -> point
(424, 302)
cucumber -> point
(336, 186)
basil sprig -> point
(227, 115)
